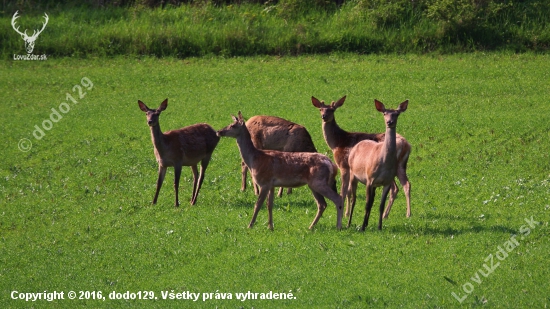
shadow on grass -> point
(449, 231)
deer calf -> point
(274, 133)
(271, 168)
(183, 147)
(375, 164)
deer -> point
(182, 147)
(375, 163)
(341, 142)
(272, 168)
(274, 133)
(29, 40)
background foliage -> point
(287, 27)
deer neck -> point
(158, 138)
(246, 147)
(388, 154)
(333, 133)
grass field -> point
(76, 211)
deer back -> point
(347, 140)
(188, 145)
(274, 133)
(365, 161)
(291, 169)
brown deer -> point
(183, 147)
(341, 142)
(271, 168)
(274, 133)
(375, 163)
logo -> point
(29, 40)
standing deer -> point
(274, 133)
(271, 168)
(375, 164)
(29, 40)
(183, 147)
(341, 142)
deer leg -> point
(195, 180)
(352, 198)
(261, 198)
(383, 202)
(321, 206)
(204, 166)
(177, 174)
(281, 189)
(344, 189)
(404, 180)
(160, 179)
(393, 193)
(371, 191)
(244, 172)
(270, 208)
(349, 200)
(322, 189)
(256, 187)
(333, 195)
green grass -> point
(76, 213)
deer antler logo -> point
(29, 40)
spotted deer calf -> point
(271, 168)
(274, 133)
(341, 142)
(375, 164)
(183, 147)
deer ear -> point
(403, 106)
(241, 119)
(379, 106)
(339, 102)
(316, 102)
(163, 105)
(142, 106)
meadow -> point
(76, 212)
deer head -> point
(390, 115)
(29, 40)
(153, 114)
(327, 111)
(234, 129)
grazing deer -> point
(183, 147)
(274, 133)
(375, 164)
(271, 168)
(341, 142)
(29, 40)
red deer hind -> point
(271, 168)
(183, 147)
(341, 142)
(274, 133)
(375, 163)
